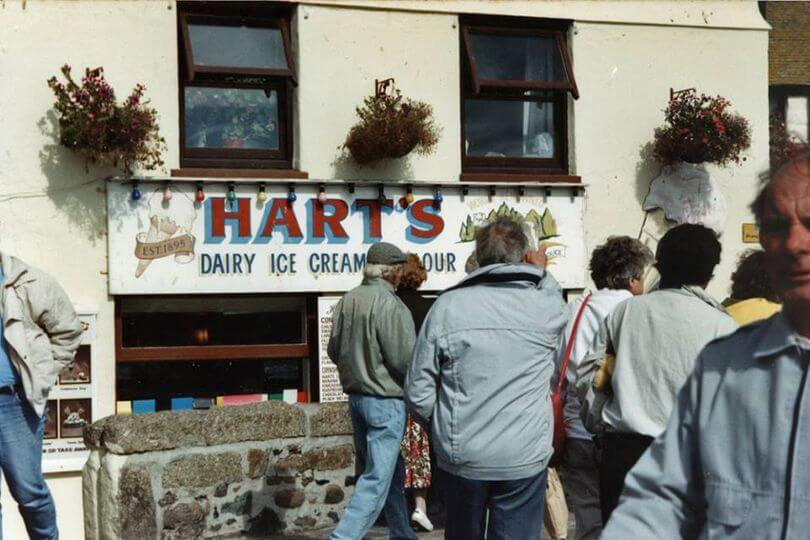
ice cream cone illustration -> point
(170, 224)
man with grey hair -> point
(371, 342)
(480, 374)
(734, 461)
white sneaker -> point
(421, 519)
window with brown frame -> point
(516, 77)
(207, 346)
(237, 77)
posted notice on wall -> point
(329, 386)
(70, 407)
(233, 242)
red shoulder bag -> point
(557, 398)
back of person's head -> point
(687, 255)
(750, 279)
(502, 241)
(413, 272)
(618, 261)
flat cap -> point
(384, 253)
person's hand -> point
(536, 257)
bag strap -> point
(496, 278)
(570, 345)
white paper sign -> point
(241, 245)
(329, 388)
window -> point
(515, 83)
(791, 103)
(208, 346)
(237, 77)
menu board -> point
(70, 406)
(329, 388)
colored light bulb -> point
(262, 196)
(200, 196)
(409, 197)
(167, 194)
(322, 198)
(292, 197)
(136, 194)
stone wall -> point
(231, 472)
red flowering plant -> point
(783, 144)
(701, 129)
(92, 123)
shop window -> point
(237, 78)
(208, 346)
(516, 78)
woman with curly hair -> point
(415, 444)
(752, 296)
(617, 269)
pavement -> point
(381, 533)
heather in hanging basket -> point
(92, 123)
(391, 126)
(700, 129)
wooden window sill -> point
(538, 178)
(239, 173)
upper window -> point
(237, 78)
(514, 98)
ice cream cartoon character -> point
(170, 226)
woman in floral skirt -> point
(415, 443)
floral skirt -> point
(416, 454)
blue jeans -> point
(515, 507)
(379, 424)
(21, 462)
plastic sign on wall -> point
(239, 244)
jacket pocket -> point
(728, 507)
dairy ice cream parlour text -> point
(323, 223)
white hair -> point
(384, 271)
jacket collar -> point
(14, 270)
(379, 282)
(778, 336)
(505, 268)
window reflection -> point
(523, 129)
(517, 58)
(231, 118)
(237, 46)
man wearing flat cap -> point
(371, 343)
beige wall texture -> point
(626, 56)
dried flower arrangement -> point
(92, 123)
(701, 129)
(391, 126)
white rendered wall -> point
(624, 72)
(64, 232)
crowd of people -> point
(684, 417)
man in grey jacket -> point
(480, 374)
(734, 461)
(38, 339)
(371, 342)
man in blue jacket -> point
(480, 374)
(734, 461)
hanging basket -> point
(391, 127)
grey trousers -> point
(580, 480)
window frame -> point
(300, 351)
(282, 81)
(556, 93)
(479, 83)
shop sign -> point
(240, 244)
